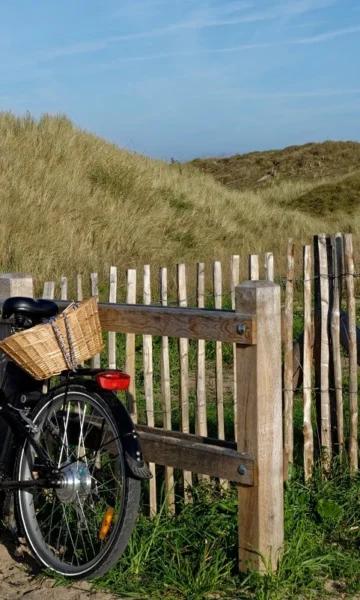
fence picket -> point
(184, 370)
(95, 361)
(353, 384)
(307, 363)
(49, 290)
(148, 387)
(336, 245)
(79, 289)
(201, 420)
(166, 394)
(254, 267)
(219, 361)
(324, 350)
(288, 363)
(112, 334)
(269, 266)
(234, 281)
(130, 348)
(63, 288)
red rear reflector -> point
(113, 380)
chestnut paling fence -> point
(232, 388)
(319, 356)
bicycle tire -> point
(43, 545)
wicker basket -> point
(48, 349)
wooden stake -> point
(336, 246)
(148, 386)
(219, 363)
(112, 334)
(307, 364)
(63, 288)
(324, 352)
(235, 277)
(261, 512)
(288, 363)
(184, 370)
(254, 267)
(166, 394)
(49, 290)
(353, 384)
(95, 361)
(201, 420)
(79, 290)
(269, 266)
(130, 348)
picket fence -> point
(319, 362)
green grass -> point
(192, 556)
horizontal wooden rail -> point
(197, 454)
(194, 323)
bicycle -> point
(70, 461)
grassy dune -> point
(71, 201)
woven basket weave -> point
(37, 350)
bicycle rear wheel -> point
(80, 529)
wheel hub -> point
(75, 483)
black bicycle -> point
(70, 459)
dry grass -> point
(71, 201)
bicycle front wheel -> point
(81, 528)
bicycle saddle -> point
(28, 307)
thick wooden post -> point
(259, 403)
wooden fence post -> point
(259, 400)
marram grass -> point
(71, 202)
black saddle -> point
(24, 309)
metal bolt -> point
(242, 470)
(241, 329)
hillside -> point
(71, 201)
(308, 162)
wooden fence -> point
(223, 378)
(318, 291)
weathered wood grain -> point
(261, 514)
(94, 285)
(326, 445)
(234, 281)
(217, 275)
(166, 394)
(130, 348)
(148, 386)
(196, 454)
(184, 371)
(201, 419)
(288, 323)
(307, 368)
(112, 334)
(336, 252)
(353, 382)
(193, 323)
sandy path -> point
(19, 578)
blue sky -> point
(187, 78)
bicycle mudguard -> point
(137, 467)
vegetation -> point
(192, 556)
(308, 163)
(71, 201)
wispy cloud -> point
(315, 39)
(226, 15)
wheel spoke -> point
(79, 436)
